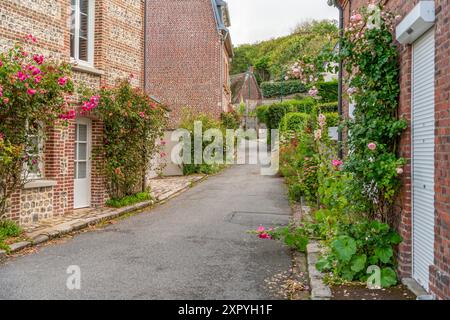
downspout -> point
(341, 71)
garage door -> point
(423, 156)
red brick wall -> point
(184, 56)
(118, 52)
(439, 272)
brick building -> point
(423, 215)
(188, 55)
(104, 40)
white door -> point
(423, 125)
(82, 183)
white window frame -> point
(40, 155)
(75, 23)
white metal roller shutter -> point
(423, 126)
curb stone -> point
(319, 290)
(2, 254)
(19, 246)
(40, 239)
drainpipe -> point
(341, 71)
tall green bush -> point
(328, 91)
(294, 121)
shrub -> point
(208, 122)
(231, 120)
(133, 124)
(276, 89)
(333, 119)
(32, 95)
(294, 121)
(328, 91)
(328, 107)
(261, 113)
(129, 200)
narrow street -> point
(193, 247)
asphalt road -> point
(193, 247)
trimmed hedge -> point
(294, 121)
(275, 89)
(261, 113)
(328, 91)
(328, 107)
(332, 119)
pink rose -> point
(39, 59)
(37, 79)
(336, 163)
(261, 229)
(142, 114)
(372, 146)
(62, 81)
(31, 92)
(22, 76)
(399, 171)
(313, 92)
(162, 154)
(356, 18)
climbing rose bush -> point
(371, 61)
(33, 91)
(133, 127)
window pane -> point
(76, 170)
(82, 170)
(72, 46)
(84, 6)
(83, 49)
(82, 154)
(82, 132)
(75, 156)
(84, 25)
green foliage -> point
(133, 124)
(129, 200)
(328, 107)
(333, 119)
(294, 121)
(261, 113)
(271, 57)
(328, 91)
(358, 245)
(230, 120)
(282, 88)
(8, 229)
(372, 62)
(32, 96)
(295, 238)
(208, 122)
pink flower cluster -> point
(71, 114)
(62, 81)
(31, 38)
(39, 59)
(92, 103)
(337, 163)
(313, 92)
(262, 233)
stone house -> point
(104, 40)
(423, 215)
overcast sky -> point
(256, 20)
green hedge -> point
(294, 121)
(328, 91)
(261, 113)
(332, 119)
(328, 107)
(276, 89)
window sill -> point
(40, 184)
(87, 69)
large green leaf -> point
(395, 238)
(344, 247)
(384, 254)
(358, 262)
(388, 277)
(323, 264)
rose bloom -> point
(399, 171)
(372, 146)
(336, 163)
